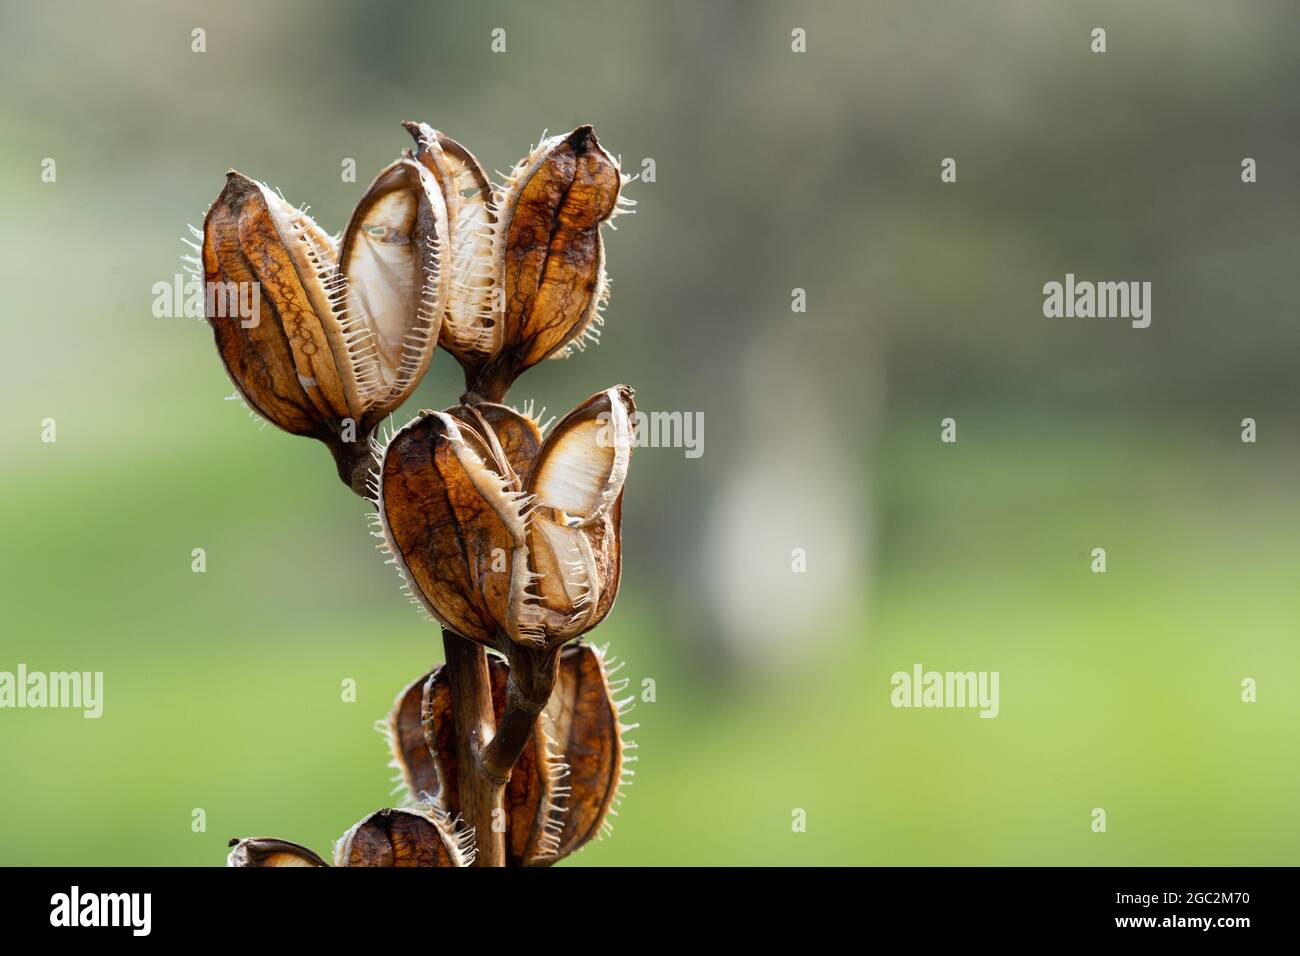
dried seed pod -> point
(567, 779)
(403, 837)
(391, 259)
(426, 755)
(413, 755)
(518, 436)
(582, 719)
(268, 851)
(496, 535)
(469, 330)
(534, 815)
(549, 244)
(320, 341)
(454, 522)
(574, 544)
(547, 262)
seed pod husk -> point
(567, 778)
(413, 754)
(335, 337)
(269, 851)
(574, 537)
(517, 435)
(429, 765)
(582, 719)
(548, 257)
(402, 837)
(499, 547)
(469, 330)
(454, 523)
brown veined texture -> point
(567, 780)
(402, 837)
(455, 526)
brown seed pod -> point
(403, 837)
(532, 276)
(426, 756)
(469, 330)
(548, 243)
(319, 340)
(413, 756)
(567, 779)
(494, 554)
(268, 851)
(582, 718)
(574, 532)
(518, 436)
(454, 522)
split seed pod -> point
(565, 783)
(498, 541)
(403, 837)
(529, 260)
(268, 851)
(339, 333)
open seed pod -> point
(469, 330)
(322, 338)
(528, 260)
(422, 735)
(574, 531)
(454, 522)
(497, 556)
(582, 720)
(268, 851)
(565, 782)
(403, 837)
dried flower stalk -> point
(511, 541)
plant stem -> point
(486, 752)
(354, 463)
(471, 694)
(532, 678)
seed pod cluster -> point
(520, 544)
(565, 785)
(340, 333)
(509, 538)
(567, 780)
(528, 259)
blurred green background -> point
(774, 170)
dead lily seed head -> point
(342, 331)
(567, 780)
(510, 539)
(504, 537)
(528, 259)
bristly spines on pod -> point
(569, 777)
(499, 534)
(527, 256)
(503, 278)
